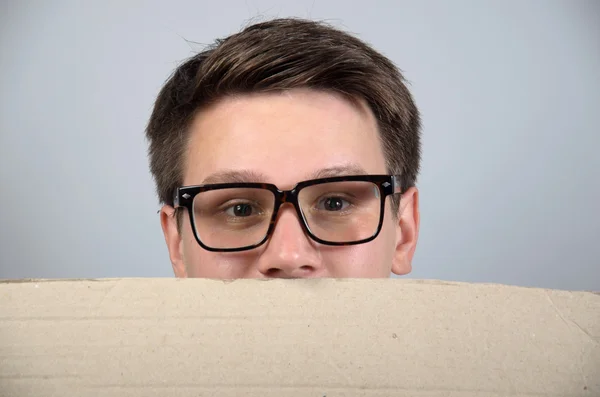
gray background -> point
(509, 91)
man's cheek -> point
(353, 261)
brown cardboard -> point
(172, 337)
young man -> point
(290, 149)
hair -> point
(280, 55)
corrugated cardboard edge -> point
(227, 281)
(477, 339)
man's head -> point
(280, 103)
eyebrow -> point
(343, 170)
(247, 176)
(233, 176)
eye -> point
(240, 210)
(333, 203)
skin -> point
(285, 138)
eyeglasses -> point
(343, 210)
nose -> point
(290, 252)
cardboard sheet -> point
(170, 337)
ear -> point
(168, 221)
(407, 232)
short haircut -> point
(280, 55)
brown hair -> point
(283, 54)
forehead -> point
(283, 137)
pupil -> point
(333, 204)
(242, 210)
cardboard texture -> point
(170, 337)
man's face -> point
(285, 138)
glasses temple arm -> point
(176, 198)
(397, 184)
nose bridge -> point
(288, 221)
(290, 252)
(289, 197)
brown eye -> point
(241, 210)
(333, 204)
